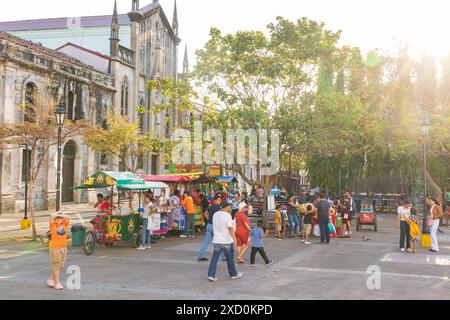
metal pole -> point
(425, 228)
(58, 174)
(27, 176)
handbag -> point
(430, 221)
(331, 227)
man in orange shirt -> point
(58, 228)
(188, 204)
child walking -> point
(258, 235)
(278, 223)
(58, 254)
(307, 224)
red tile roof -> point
(84, 49)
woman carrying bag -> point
(433, 222)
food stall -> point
(115, 225)
(175, 215)
(229, 183)
(160, 218)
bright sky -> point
(368, 24)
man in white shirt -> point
(224, 241)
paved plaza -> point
(170, 271)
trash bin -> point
(78, 232)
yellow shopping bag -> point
(425, 241)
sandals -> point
(240, 261)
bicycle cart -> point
(367, 216)
(116, 225)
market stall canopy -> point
(202, 179)
(166, 178)
(143, 187)
(104, 179)
(226, 180)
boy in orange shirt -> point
(58, 228)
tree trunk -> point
(437, 191)
(32, 216)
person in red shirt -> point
(106, 205)
(243, 230)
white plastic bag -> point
(316, 231)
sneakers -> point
(238, 276)
(59, 286)
(204, 259)
(402, 250)
(149, 246)
(183, 236)
(253, 265)
(51, 283)
(141, 248)
(270, 263)
(302, 241)
(212, 279)
(308, 243)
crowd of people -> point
(408, 223)
(229, 229)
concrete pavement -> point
(170, 271)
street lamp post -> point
(425, 130)
(60, 114)
(25, 223)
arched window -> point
(124, 98)
(30, 103)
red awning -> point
(166, 179)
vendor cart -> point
(160, 218)
(176, 215)
(112, 226)
(367, 216)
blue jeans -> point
(145, 234)
(208, 239)
(294, 224)
(324, 231)
(228, 249)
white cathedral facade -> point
(94, 65)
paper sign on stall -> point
(156, 222)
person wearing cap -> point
(58, 227)
(209, 214)
(243, 230)
(224, 241)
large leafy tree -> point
(257, 81)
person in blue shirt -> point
(257, 236)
